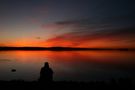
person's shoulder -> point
(42, 68)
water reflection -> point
(68, 65)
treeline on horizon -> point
(63, 48)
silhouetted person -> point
(46, 74)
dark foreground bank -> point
(112, 84)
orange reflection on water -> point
(67, 64)
(61, 56)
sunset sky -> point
(67, 23)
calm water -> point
(68, 65)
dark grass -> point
(122, 83)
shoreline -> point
(63, 49)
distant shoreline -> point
(62, 49)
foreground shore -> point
(112, 84)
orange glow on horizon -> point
(93, 44)
(71, 43)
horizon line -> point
(62, 48)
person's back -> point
(46, 73)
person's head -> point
(46, 65)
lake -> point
(68, 65)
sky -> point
(67, 23)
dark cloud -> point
(38, 37)
(88, 26)
(84, 31)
